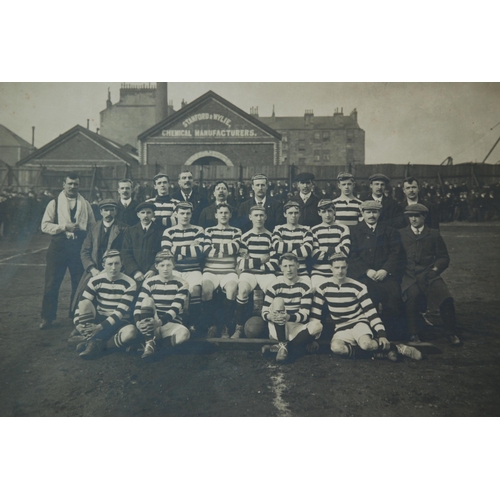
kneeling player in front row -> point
(101, 318)
(357, 324)
(158, 311)
(256, 262)
(286, 308)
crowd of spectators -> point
(21, 213)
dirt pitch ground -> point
(40, 376)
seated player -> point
(141, 243)
(376, 261)
(103, 314)
(158, 310)
(256, 263)
(293, 238)
(347, 209)
(426, 258)
(357, 324)
(222, 244)
(286, 308)
(186, 242)
(329, 238)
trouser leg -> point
(413, 307)
(56, 264)
(448, 316)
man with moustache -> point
(207, 216)
(190, 193)
(126, 204)
(307, 200)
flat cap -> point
(338, 256)
(144, 205)
(111, 253)
(164, 254)
(108, 202)
(379, 177)
(371, 205)
(304, 177)
(345, 176)
(159, 176)
(184, 205)
(416, 208)
(325, 203)
(259, 177)
(290, 204)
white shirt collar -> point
(377, 199)
(372, 227)
(124, 202)
(417, 231)
(305, 197)
(107, 224)
(263, 201)
(146, 227)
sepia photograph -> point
(250, 249)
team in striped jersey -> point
(347, 206)
(210, 275)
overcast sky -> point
(403, 122)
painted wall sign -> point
(207, 116)
(209, 133)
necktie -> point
(260, 203)
(145, 230)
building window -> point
(326, 136)
(302, 162)
(326, 155)
(302, 146)
(284, 137)
(350, 136)
(317, 136)
(317, 155)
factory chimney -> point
(161, 102)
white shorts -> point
(352, 335)
(317, 280)
(171, 329)
(193, 278)
(220, 279)
(291, 330)
(263, 280)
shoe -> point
(45, 324)
(269, 349)
(192, 331)
(149, 348)
(282, 353)
(392, 356)
(409, 352)
(454, 340)
(224, 334)
(93, 348)
(238, 332)
(81, 346)
(212, 332)
(312, 347)
(426, 319)
(76, 340)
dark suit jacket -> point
(207, 217)
(139, 249)
(127, 215)
(274, 211)
(375, 250)
(197, 199)
(432, 217)
(392, 212)
(308, 211)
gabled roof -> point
(112, 146)
(189, 108)
(297, 122)
(9, 138)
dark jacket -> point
(432, 217)
(375, 250)
(207, 217)
(127, 215)
(274, 211)
(197, 199)
(139, 249)
(308, 211)
(392, 212)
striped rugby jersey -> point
(298, 241)
(165, 206)
(187, 245)
(226, 241)
(347, 211)
(297, 296)
(112, 299)
(258, 245)
(336, 237)
(347, 304)
(169, 298)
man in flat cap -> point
(376, 260)
(411, 189)
(392, 212)
(141, 243)
(426, 258)
(104, 235)
(307, 200)
(273, 208)
(188, 192)
(347, 206)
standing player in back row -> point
(222, 245)
(163, 202)
(329, 238)
(256, 263)
(347, 206)
(293, 238)
(187, 243)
